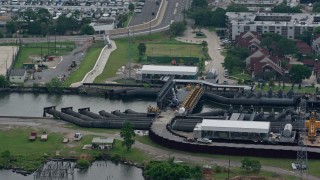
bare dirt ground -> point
(58, 126)
(6, 54)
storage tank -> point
(182, 110)
(212, 74)
(287, 130)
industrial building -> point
(155, 72)
(290, 25)
(230, 129)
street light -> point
(152, 14)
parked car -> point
(204, 140)
(189, 140)
(296, 166)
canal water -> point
(29, 104)
(100, 170)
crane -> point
(312, 125)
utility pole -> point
(55, 40)
(129, 53)
(302, 154)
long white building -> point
(290, 25)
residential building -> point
(18, 75)
(303, 48)
(290, 25)
(254, 5)
(316, 44)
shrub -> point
(83, 164)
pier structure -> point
(55, 169)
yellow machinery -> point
(312, 125)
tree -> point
(128, 135)
(237, 8)
(299, 72)
(199, 3)
(177, 28)
(283, 8)
(142, 48)
(204, 45)
(4, 82)
(87, 29)
(306, 36)
(55, 85)
(131, 7)
(1, 34)
(285, 47)
(159, 170)
(316, 7)
(250, 165)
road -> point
(149, 7)
(57, 126)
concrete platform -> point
(6, 57)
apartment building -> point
(290, 25)
(257, 5)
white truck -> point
(77, 136)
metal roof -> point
(170, 70)
(235, 126)
(98, 140)
(245, 87)
(17, 72)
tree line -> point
(41, 22)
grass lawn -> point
(97, 130)
(159, 41)
(30, 155)
(133, 155)
(130, 14)
(276, 88)
(117, 59)
(180, 50)
(34, 50)
(86, 64)
(240, 75)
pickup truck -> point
(204, 140)
(77, 136)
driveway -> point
(213, 41)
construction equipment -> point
(312, 125)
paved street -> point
(146, 14)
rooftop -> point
(99, 140)
(235, 126)
(17, 72)
(276, 19)
(170, 70)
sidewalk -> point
(98, 67)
